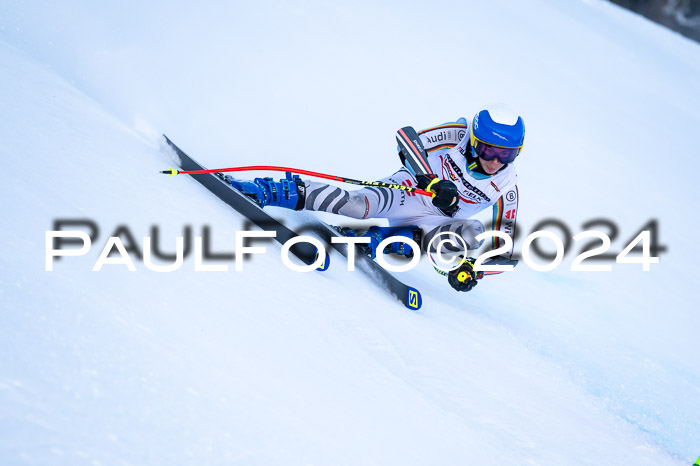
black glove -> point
(446, 193)
(463, 278)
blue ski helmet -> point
(497, 132)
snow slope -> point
(270, 366)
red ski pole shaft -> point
(378, 184)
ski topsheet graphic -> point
(306, 252)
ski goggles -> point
(489, 151)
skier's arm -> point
(444, 136)
(415, 159)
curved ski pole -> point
(378, 184)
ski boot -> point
(378, 234)
(289, 193)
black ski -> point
(306, 252)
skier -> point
(472, 169)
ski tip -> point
(326, 262)
(413, 300)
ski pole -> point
(378, 184)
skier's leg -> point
(428, 237)
(368, 202)
(400, 207)
(403, 209)
(371, 202)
